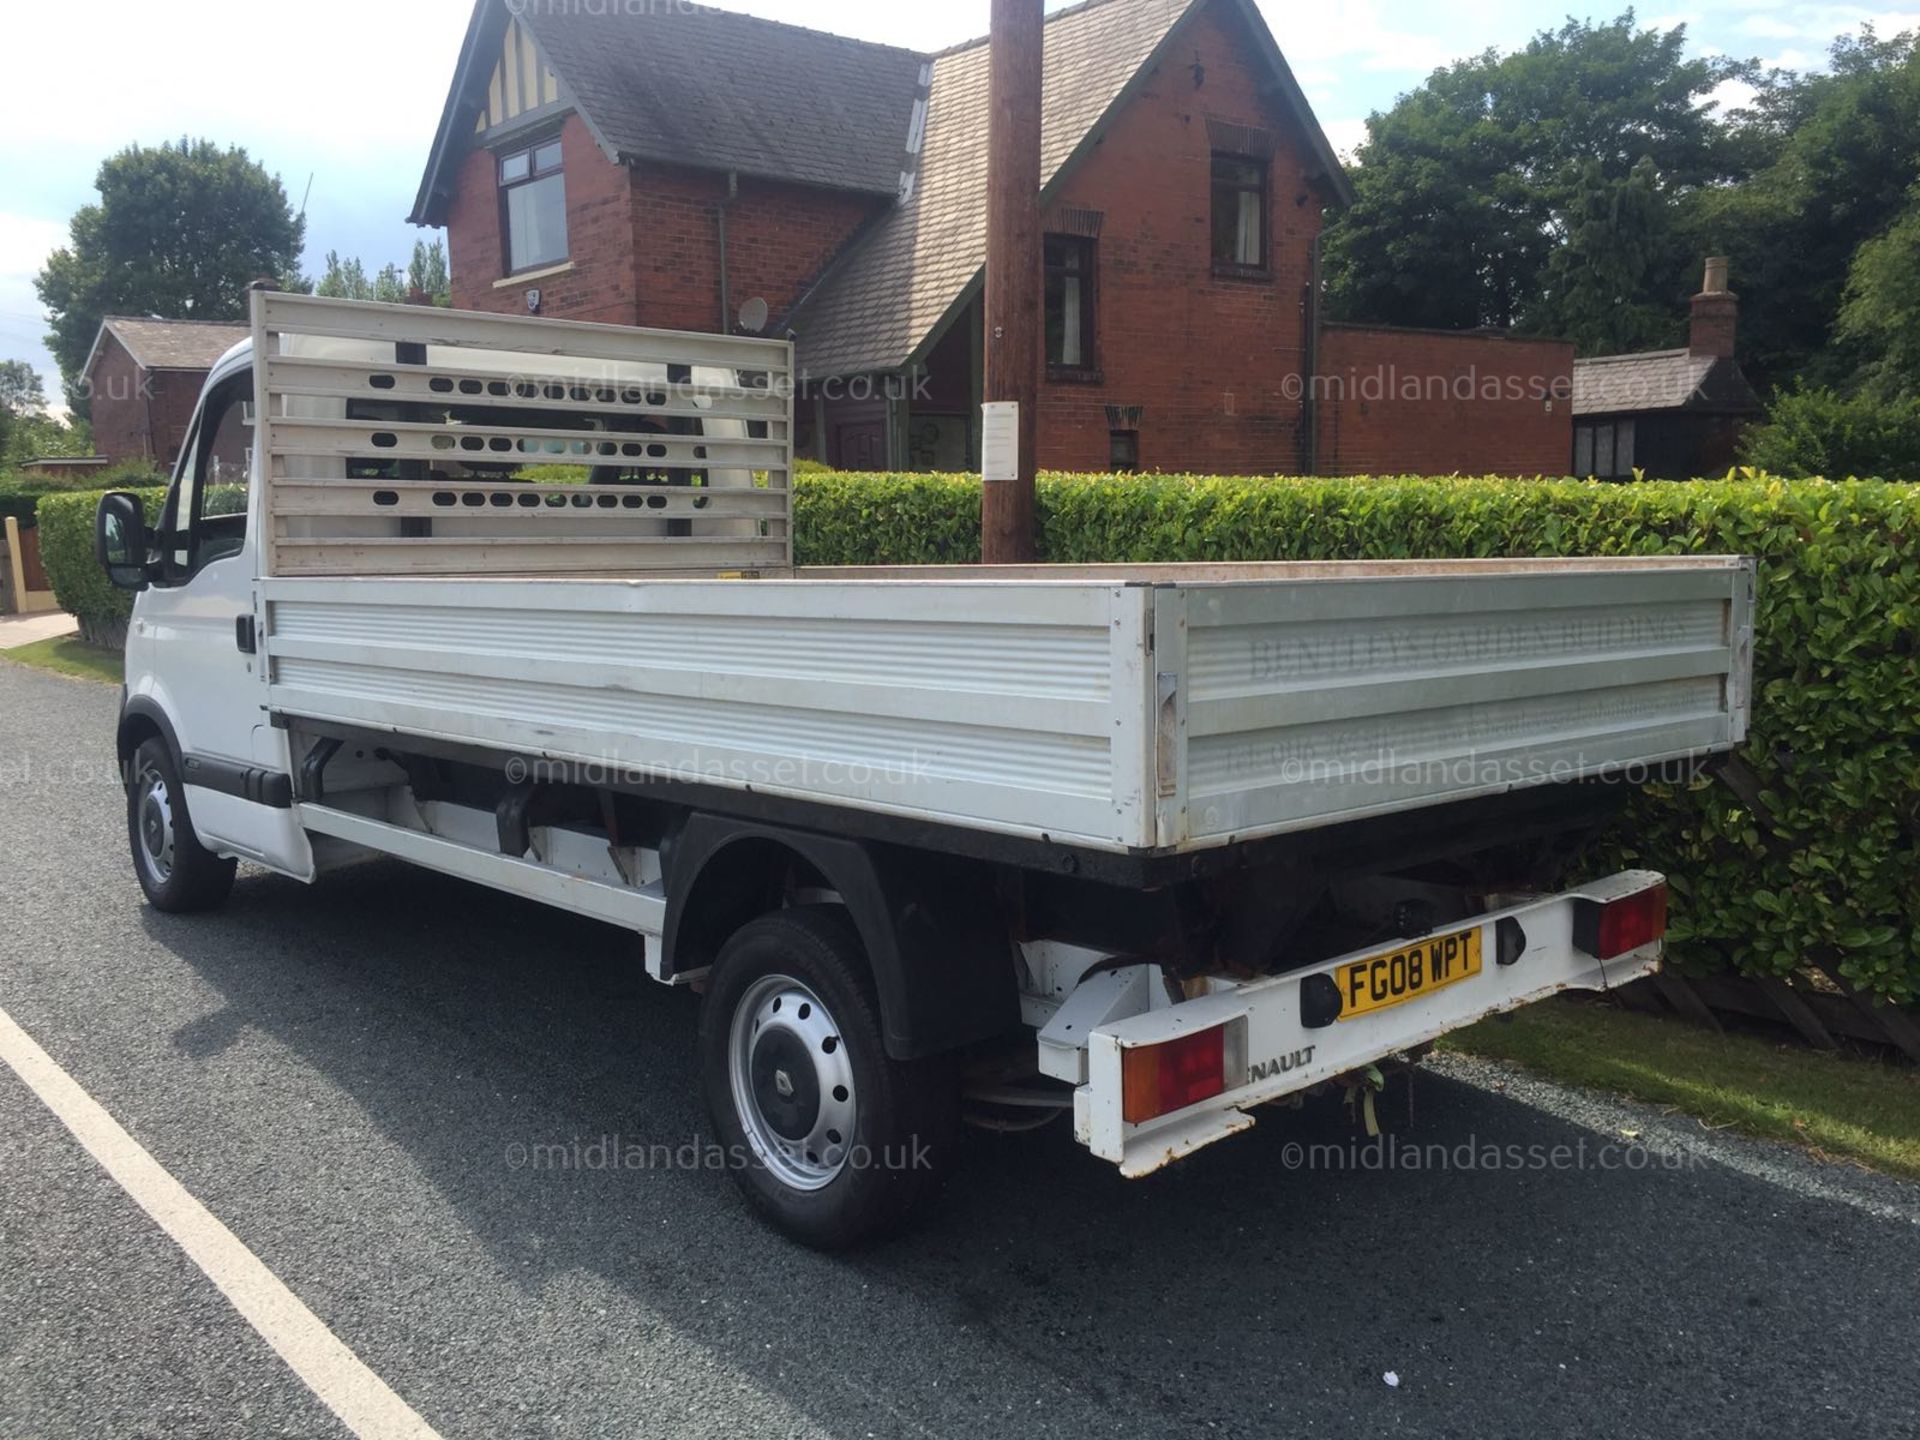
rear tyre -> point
(833, 1141)
(175, 870)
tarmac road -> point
(355, 1077)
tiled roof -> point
(692, 85)
(172, 344)
(1659, 380)
(875, 307)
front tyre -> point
(175, 870)
(833, 1141)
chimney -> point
(1716, 313)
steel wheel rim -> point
(153, 816)
(792, 1082)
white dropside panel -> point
(1300, 703)
(1017, 708)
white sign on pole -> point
(1000, 440)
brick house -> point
(144, 378)
(1670, 414)
(691, 168)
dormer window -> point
(533, 207)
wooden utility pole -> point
(1013, 298)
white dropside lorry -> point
(1146, 846)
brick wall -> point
(643, 241)
(1421, 402)
(779, 238)
(140, 414)
(1210, 358)
(119, 404)
(596, 282)
(1215, 361)
(175, 394)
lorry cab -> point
(197, 673)
(194, 676)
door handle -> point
(243, 636)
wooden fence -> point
(1820, 1006)
(26, 590)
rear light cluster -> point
(1156, 1080)
(1606, 928)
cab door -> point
(196, 624)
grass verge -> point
(1839, 1105)
(68, 655)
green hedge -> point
(20, 504)
(66, 549)
(21, 493)
(79, 584)
(1832, 870)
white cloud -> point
(1730, 95)
(1812, 28)
(1345, 135)
(25, 243)
(1357, 34)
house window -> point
(1069, 306)
(533, 207)
(1603, 448)
(1239, 214)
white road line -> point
(363, 1401)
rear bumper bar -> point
(1283, 1054)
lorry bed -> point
(1149, 708)
(643, 616)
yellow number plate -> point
(1395, 976)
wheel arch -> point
(142, 719)
(939, 954)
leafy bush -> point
(79, 584)
(1830, 872)
(1827, 865)
(1816, 432)
(847, 519)
(66, 549)
(20, 504)
(20, 493)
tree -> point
(1818, 432)
(26, 429)
(21, 392)
(1846, 159)
(180, 231)
(1881, 315)
(20, 397)
(427, 271)
(1605, 284)
(1468, 187)
(347, 280)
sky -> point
(341, 100)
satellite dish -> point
(753, 315)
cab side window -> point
(206, 513)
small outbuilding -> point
(1670, 414)
(144, 378)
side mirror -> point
(121, 540)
